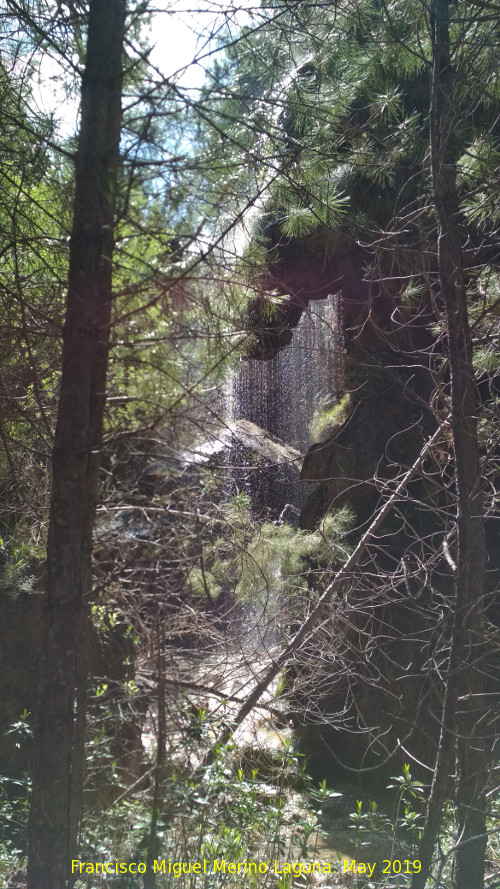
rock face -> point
(307, 270)
(385, 429)
(359, 453)
(376, 344)
(379, 351)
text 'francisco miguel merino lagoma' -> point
(218, 865)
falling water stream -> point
(281, 395)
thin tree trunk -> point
(161, 750)
(75, 458)
(463, 701)
(78, 751)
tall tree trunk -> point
(463, 701)
(76, 457)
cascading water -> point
(282, 395)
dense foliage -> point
(321, 154)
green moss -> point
(324, 422)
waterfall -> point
(281, 395)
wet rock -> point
(256, 462)
(256, 439)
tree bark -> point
(161, 752)
(76, 452)
(78, 748)
(463, 701)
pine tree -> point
(75, 459)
